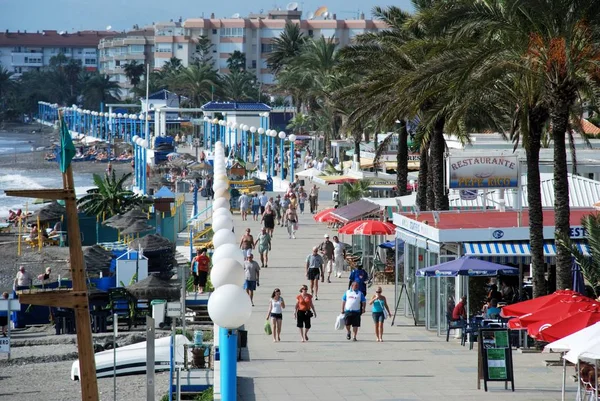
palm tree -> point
(286, 47)
(6, 82)
(401, 155)
(239, 85)
(110, 197)
(236, 61)
(198, 83)
(72, 71)
(134, 72)
(172, 66)
(351, 192)
(99, 89)
(299, 123)
(590, 265)
(553, 39)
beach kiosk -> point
(431, 238)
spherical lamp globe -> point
(261, 131)
(220, 203)
(281, 135)
(229, 306)
(253, 129)
(292, 138)
(223, 237)
(227, 251)
(222, 212)
(223, 193)
(220, 185)
(229, 271)
(222, 223)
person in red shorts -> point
(460, 311)
(200, 268)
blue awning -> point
(513, 249)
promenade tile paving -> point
(411, 364)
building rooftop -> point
(452, 220)
(236, 106)
(53, 38)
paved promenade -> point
(411, 364)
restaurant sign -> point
(483, 172)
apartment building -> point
(26, 51)
(135, 45)
(254, 35)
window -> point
(214, 31)
(310, 33)
(136, 48)
(80, 51)
(164, 48)
(253, 64)
(90, 61)
(232, 32)
(266, 47)
(179, 47)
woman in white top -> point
(275, 312)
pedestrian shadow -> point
(245, 389)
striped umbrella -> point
(368, 227)
(324, 216)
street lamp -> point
(292, 139)
(261, 132)
(253, 131)
(281, 153)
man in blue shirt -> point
(361, 276)
(353, 306)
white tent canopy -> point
(584, 336)
(588, 351)
(311, 172)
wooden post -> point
(77, 298)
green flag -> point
(67, 149)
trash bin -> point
(159, 306)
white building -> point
(27, 51)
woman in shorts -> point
(380, 307)
(255, 207)
(303, 312)
(275, 313)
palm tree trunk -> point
(437, 160)
(402, 160)
(534, 199)
(357, 150)
(422, 180)
(430, 182)
(559, 117)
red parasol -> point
(530, 306)
(559, 310)
(324, 216)
(550, 331)
(342, 181)
(368, 227)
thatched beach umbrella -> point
(138, 226)
(201, 166)
(153, 287)
(97, 258)
(136, 214)
(52, 211)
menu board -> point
(495, 357)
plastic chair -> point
(471, 332)
(454, 325)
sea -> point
(31, 178)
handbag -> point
(340, 321)
(268, 330)
(295, 226)
(309, 314)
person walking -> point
(291, 221)
(268, 219)
(380, 305)
(264, 246)
(263, 199)
(327, 249)
(360, 276)
(302, 197)
(247, 243)
(23, 278)
(252, 272)
(275, 313)
(353, 306)
(314, 270)
(304, 311)
(277, 208)
(200, 268)
(244, 202)
(255, 207)
(339, 256)
(312, 199)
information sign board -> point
(495, 357)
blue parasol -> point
(467, 266)
(578, 281)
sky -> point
(77, 15)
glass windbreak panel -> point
(420, 299)
(432, 302)
(433, 259)
(410, 268)
(447, 301)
